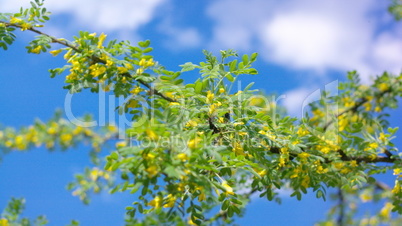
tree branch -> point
(63, 42)
(355, 107)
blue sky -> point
(303, 45)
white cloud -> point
(294, 101)
(311, 35)
(179, 37)
(107, 15)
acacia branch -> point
(54, 39)
(390, 158)
(354, 108)
(341, 218)
(95, 58)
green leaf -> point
(232, 66)
(147, 50)
(245, 59)
(253, 57)
(188, 67)
(163, 77)
(144, 44)
(248, 87)
(198, 86)
(230, 77)
(171, 171)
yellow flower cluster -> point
(136, 90)
(194, 143)
(268, 134)
(97, 69)
(302, 132)
(238, 149)
(228, 188)
(4, 222)
(210, 97)
(96, 173)
(152, 170)
(317, 114)
(146, 63)
(182, 156)
(348, 102)
(191, 123)
(213, 107)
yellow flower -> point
(373, 145)
(397, 188)
(4, 222)
(324, 149)
(140, 71)
(170, 201)
(229, 190)
(262, 172)
(25, 26)
(210, 96)
(348, 102)
(385, 212)
(338, 165)
(190, 222)
(156, 202)
(305, 182)
(367, 106)
(343, 122)
(213, 107)
(239, 124)
(191, 123)
(182, 156)
(296, 172)
(282, 161)
(221, 90)
(55, 52)
(301, 132)
(152, 171)
(36, 49)
(66, 138)
(146, 63)
(94, 174)
(122, 70)
(238, 149)
(102, 38)
(202, 197)
(397, 171)
(194, 143)
(365, 197)
(304, 155)
(256, 101)
(121, 144)
(317, 114)
(136, 90)
(96, 69)
(174, 104)
(383, 87)
(321, 170)
(149, 156)
(353, 163)
(382, 137)
(15, 20)
(151, 134)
